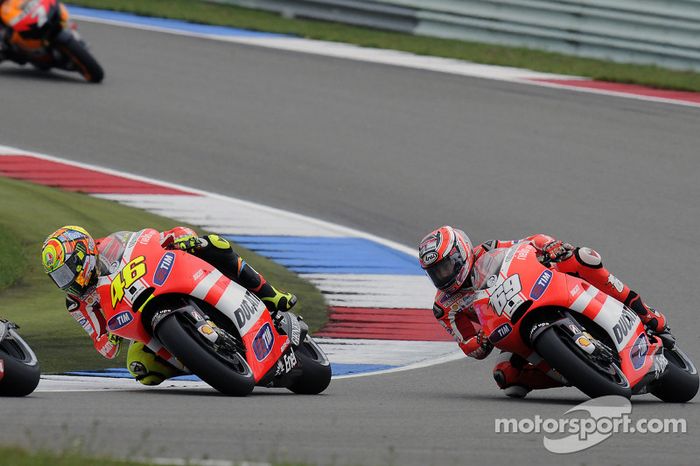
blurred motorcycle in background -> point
(40, 32)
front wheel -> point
(316, 369)
(20, 371)
(593, 378)
(79, 56)
(679, 382)
(224, 368)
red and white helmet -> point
(447, 256)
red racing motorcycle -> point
(189, 313)
(560, 322)
(40, 33)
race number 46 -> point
(505, 298)
(127, 276)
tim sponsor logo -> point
(263, 342)
(164, 267)
(120, 320)
(541, 284)
(500, 333)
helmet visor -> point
(62, 276)
(444, 273)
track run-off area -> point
(390, 151)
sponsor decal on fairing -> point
(163, 269)
(639, 351)
(248, 312)
(628, 321)
(263, 342)
(120, 320)
(500, 333)
(541, 284)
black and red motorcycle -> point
(40, 32)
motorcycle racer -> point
(6, 52)
(74, 261)
(447, 256)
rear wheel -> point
(316, 369)
(79, 55)
(223, 367)
(21, 369)
(593, 377)
(679, 383)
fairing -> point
(144, 266)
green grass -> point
(12, 456)
(15, 456)
(226, 15)
(28, 213)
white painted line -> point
(222, 215)
(71, 383)
(195, 462)
(384, 291)
(454, 356)
(386, 352)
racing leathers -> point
(455, 313)
(146, 366)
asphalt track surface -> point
(394, 152)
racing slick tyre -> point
(589, 376)
(679, 382)
(19, 368)
(225, 369)
(79, 55)
(316, 369)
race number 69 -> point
(505, 297)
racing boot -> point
(651, 318)
(276, 300)
(147, 367)
(517, 377)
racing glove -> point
(181, 238)
(108, 345)
(556, 251)
(478, 346)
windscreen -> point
(111, 251)
(488, 265)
